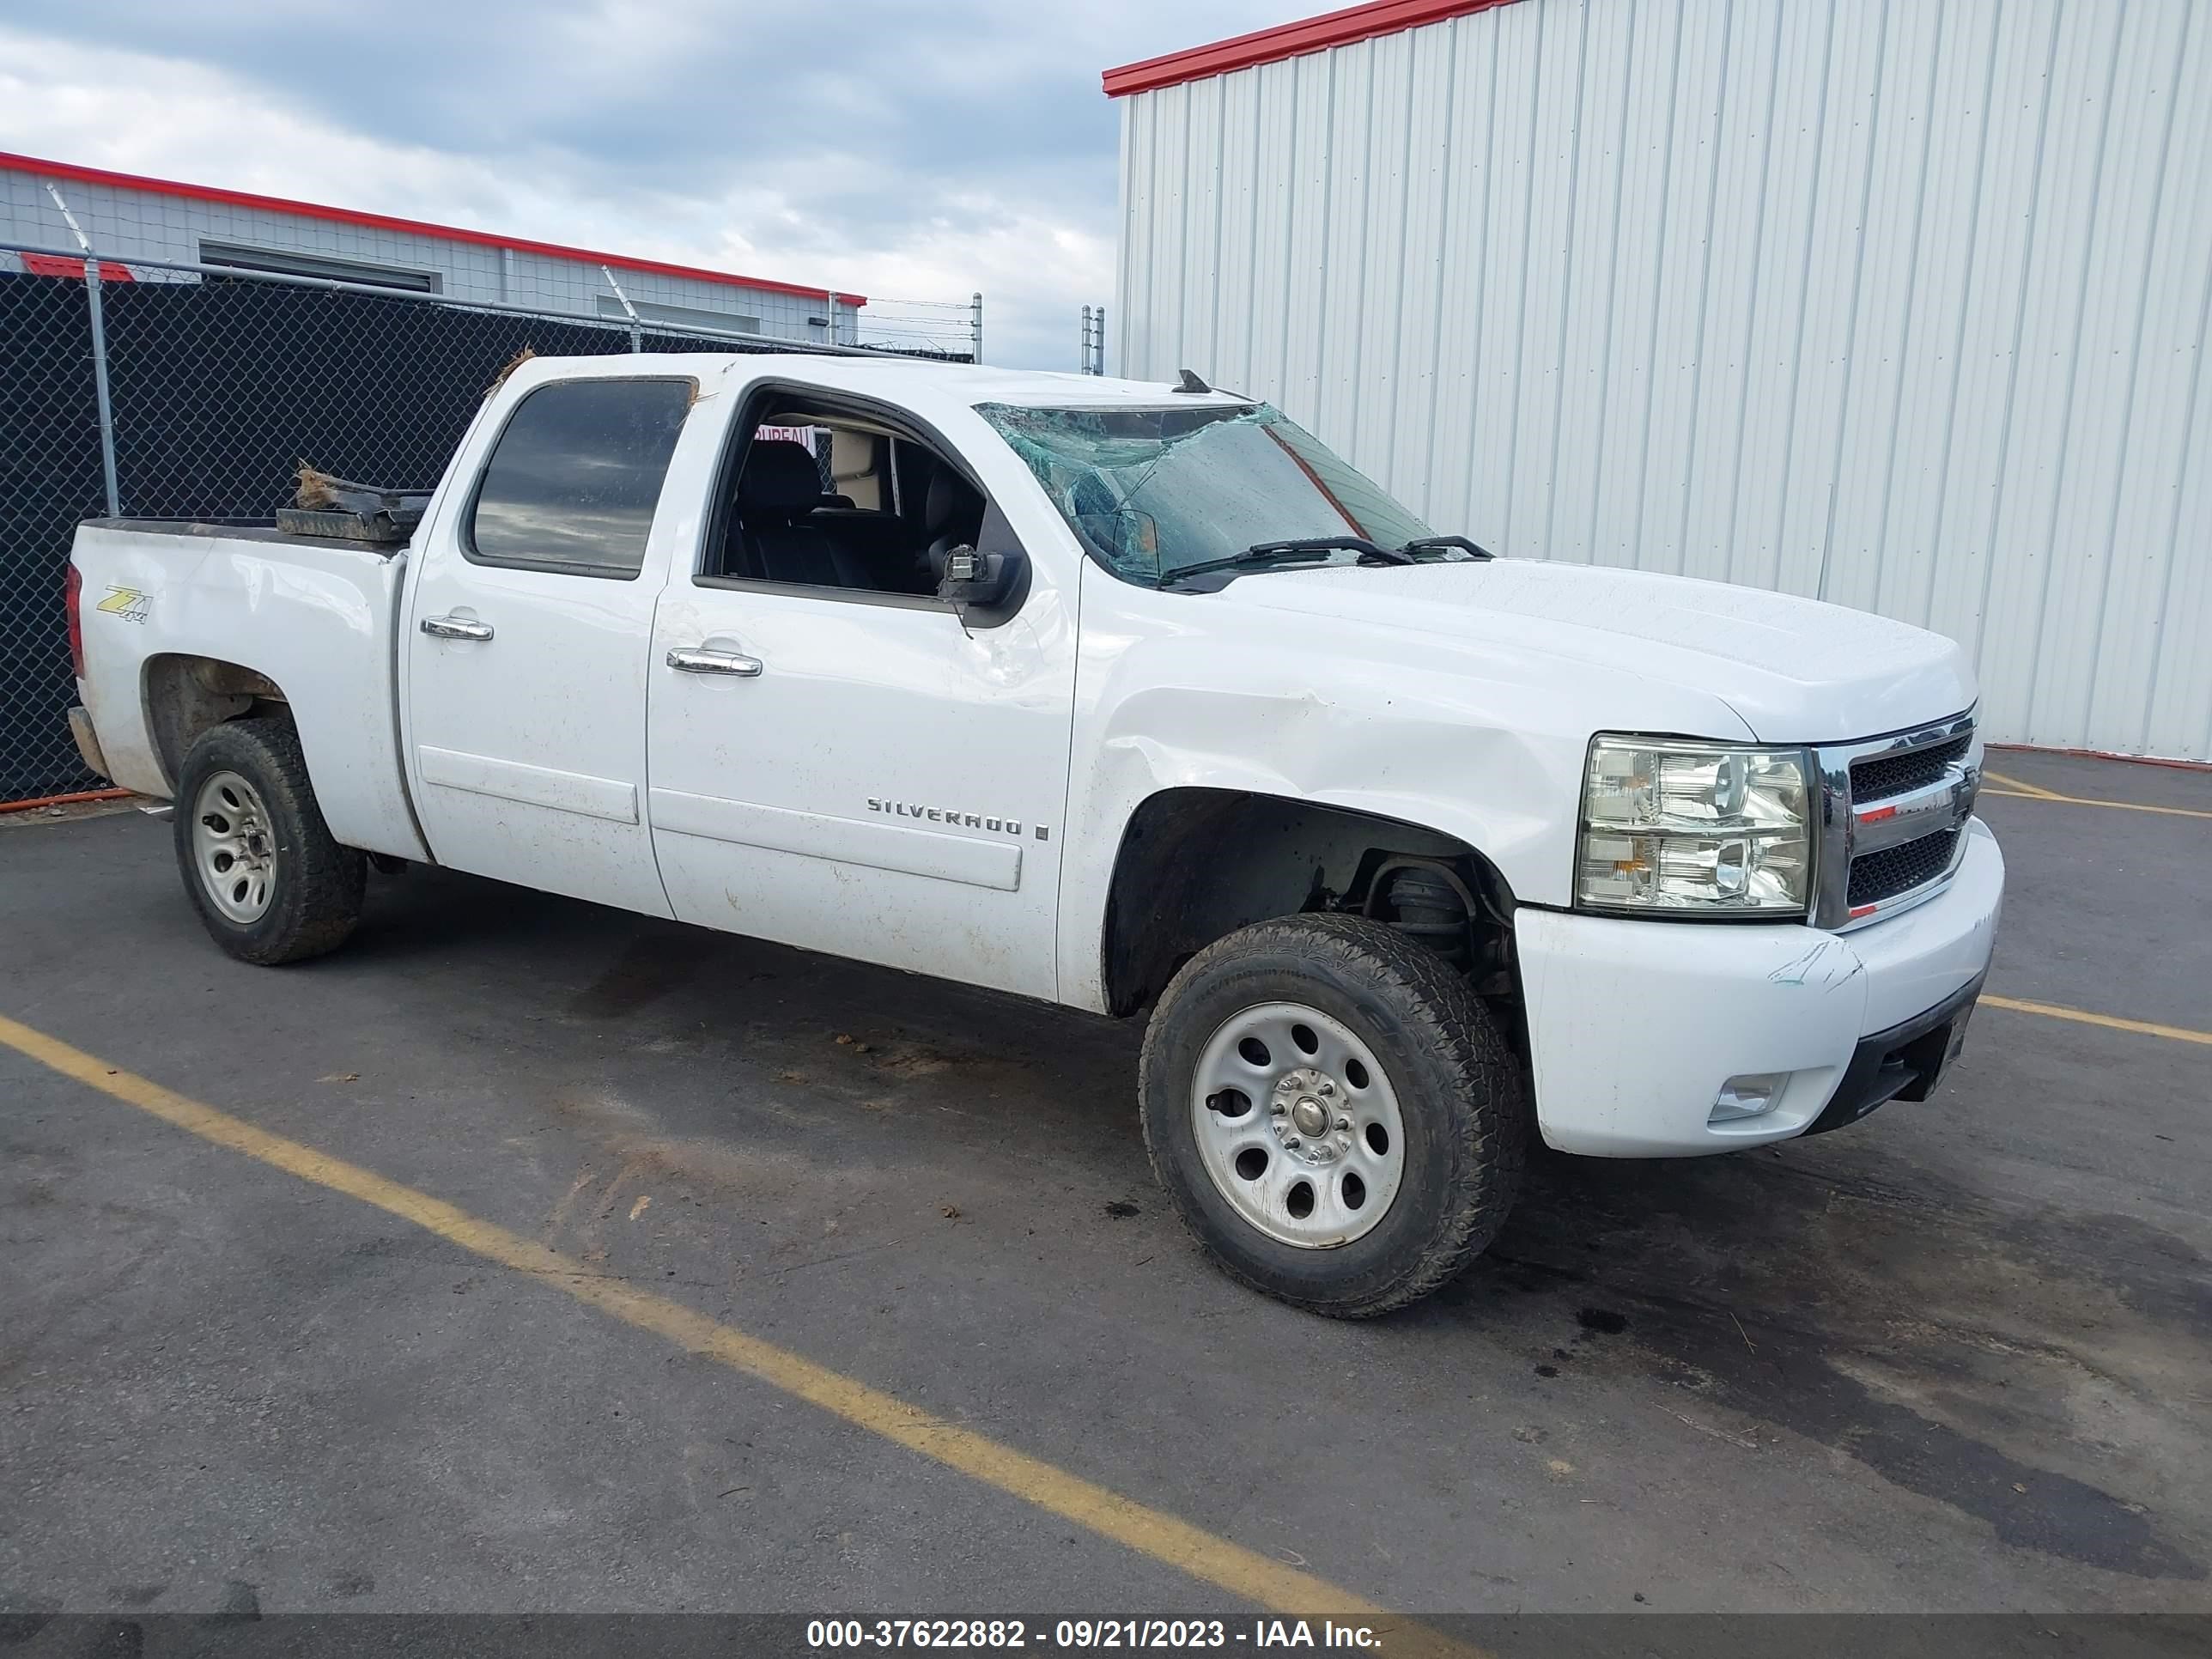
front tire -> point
(269, 883)
(1333, 1112)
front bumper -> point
(1634, 1026)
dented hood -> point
(1795, 670)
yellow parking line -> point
(1244, 1573)
(2082, 1016)
(2020, 790)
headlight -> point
(1694, 828)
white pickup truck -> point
(1130, 697)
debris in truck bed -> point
(319, 492)
(512, 363)
(324, 505)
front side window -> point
(575, 478)
(1153, 491)
(825, 498)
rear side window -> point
(574, 478)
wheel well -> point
(1197, 864)
(186, 695)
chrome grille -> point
(1895, 870)
(1880, 777)
(1894, 818)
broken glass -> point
(1150, 491)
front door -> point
(526, 645)
(848, 767)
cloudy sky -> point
(887, 147)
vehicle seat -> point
(780, 487)
(953, 516)
(881, 543)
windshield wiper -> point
(1439, 542)
(1367, 551)
(1262, 553)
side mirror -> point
(982, 579)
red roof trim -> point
(57, 265)
(70, 170)
(1335, 28)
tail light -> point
(72, 592)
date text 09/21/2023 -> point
(831, 1634)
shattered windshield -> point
(1152, 491)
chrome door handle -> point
(695, 661)
(455, 628)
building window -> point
(283, 262)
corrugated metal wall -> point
(1898, 302)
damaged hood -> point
(1794, 669)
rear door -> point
(525, 641)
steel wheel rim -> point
(1285, 1097)
(234, 847)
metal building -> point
(128, 217)
(1900, 303)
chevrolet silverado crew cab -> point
(1131, 697)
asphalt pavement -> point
(1956, 1358)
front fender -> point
(1481, 742)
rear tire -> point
(1330, 1059)
(269, 883)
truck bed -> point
(315, 616)
(255, 530)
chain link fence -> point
(219, 385)
(49, 477)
